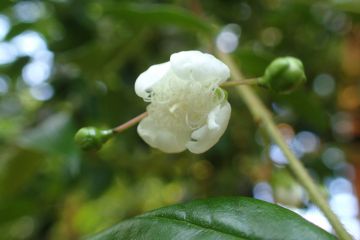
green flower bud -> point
(91, 138)
(283, 75)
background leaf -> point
(218, 218)
(17, 170)
(348, 5)
(146, 14)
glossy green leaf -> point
(217, 218)
(159, 14)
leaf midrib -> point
(182, 221)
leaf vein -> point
(241, 237)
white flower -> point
(188, 109)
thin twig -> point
(259, 111)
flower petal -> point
(147, 79)
(157, 137)
(208, 135)
(198, 66)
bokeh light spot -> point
(271, 36)
(277, 155)
(344, 205)
(263, 191)
(4, 87)
(308, 141)
(7, 53)
(35, 73)
(228, 39)
(332, 157)
(342, 125)
(42, 92)
(245, 11)
(324, 85)
(4, 26)
(29, 11)
(29, 43)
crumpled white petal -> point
(147, 79)
(198, 66)
(207, 136)
(186, 108)
(157, 137)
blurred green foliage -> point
(49, 189)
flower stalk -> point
(250, 81)
(262, 114)
(130, 123)
(93, 138)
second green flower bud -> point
(283, 75)
(91, 138)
